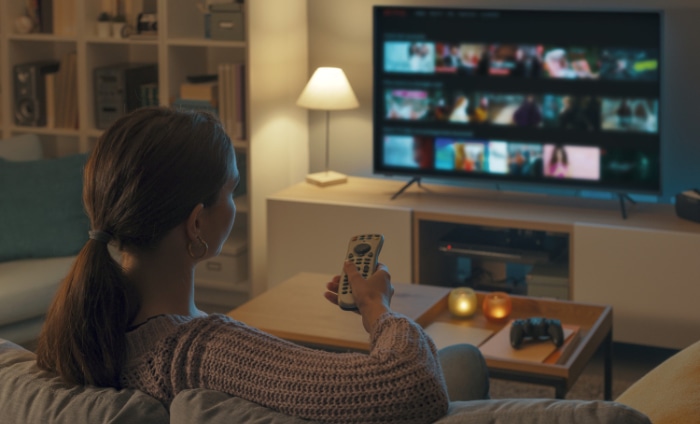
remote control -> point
(363, 251)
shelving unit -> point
(180, 49)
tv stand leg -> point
(625, 197)
(408, 184)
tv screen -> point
(562, 98)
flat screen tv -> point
(557, 98)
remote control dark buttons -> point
(363, 248)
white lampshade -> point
(328, 89)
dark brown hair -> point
(143, 178)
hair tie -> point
(101, 236)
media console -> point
(644, 266)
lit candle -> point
(497, 306)
(462, 302)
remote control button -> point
(363, 248)
(370, 254)
(365, 269)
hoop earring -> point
(202, 245)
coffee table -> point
(297, 311)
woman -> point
(558, 165)
(158, 186)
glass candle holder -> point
(497, 306)
(462, 302)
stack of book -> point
(231, 96)
(62, 94)
(221, 94)
(52, 16)
(202, 95)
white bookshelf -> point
(275, 54)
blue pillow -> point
(41, 209)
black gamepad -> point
(536, 329)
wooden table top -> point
(296, 310)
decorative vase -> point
(104, 29)
(118, 29)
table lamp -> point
(328, 89)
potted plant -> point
(104, 26)
(118, 24)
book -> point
(66, 93)
(50, 96)
(208, 91)
(63, 17)
(543, 351)
(201, 105)
(149, 94)
(223, 86)
(445, 334)
(45, 16)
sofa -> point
(29, 395)
(43, 226)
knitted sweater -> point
(400, 380)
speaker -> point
(30, 92)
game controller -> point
(363, 251)
(536, 329)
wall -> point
(340, 34)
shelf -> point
(46, 131)
(203, 42)
(42, 37)
(127, 41)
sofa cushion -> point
(41, 213)
(21, 147)
(541, 411)
(669, 393)
(206, 406)
(211, 407)
(30, 395)
(28, 285)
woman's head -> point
(150, 169)
(559, 156)
(150, 172)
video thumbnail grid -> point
(570, 112)
(522, 60)
(544, 161)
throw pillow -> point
(41, 211)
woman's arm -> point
(399, 381)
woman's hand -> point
(372, 296)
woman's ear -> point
(194, 222)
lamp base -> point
(326, 178)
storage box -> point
(227, 22)
(228, 270)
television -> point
(566, 99)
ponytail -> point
(125, 195)
(84, 336)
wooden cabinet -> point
(275, 56)
(644, 267)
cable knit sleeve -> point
(400, 380)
